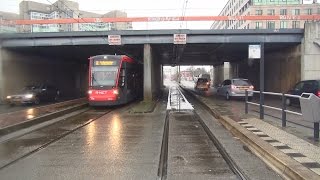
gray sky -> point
(135, 8)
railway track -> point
(173, 123)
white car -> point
(235, 88)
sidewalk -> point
(305, 154)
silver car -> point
(235, 88)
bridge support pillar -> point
(310, 51)
(148, 76)
(1, 76)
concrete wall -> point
(310, 60)
(282, 69)
(18, 70)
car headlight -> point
(8, 97)
(28, 96)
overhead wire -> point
(184, 7)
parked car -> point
(34, 94)
(235, 88)
(308, 86)
(202, 84)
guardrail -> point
(283, 108)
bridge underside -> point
(63, 59)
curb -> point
(279, 161)
(40, 119)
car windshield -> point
(29, 88)
(241, 82)
(202, 80)
(104, 75)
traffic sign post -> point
(257, 52)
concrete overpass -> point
(291, 55)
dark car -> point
(308, 86)
(202, 84)
(34, 94)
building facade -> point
(266, 7)
(64, 9)
(6, 22)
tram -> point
(114, 80)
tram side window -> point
(122, 77)
(130, 79)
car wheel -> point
(288, 102)
(227, 96)
(36, 101)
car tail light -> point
(251, 87)
(115, 91)
(208, 83)
(90, 92)
(318, 94)
(233, 87)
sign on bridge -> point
(114, 39)
(180, 39)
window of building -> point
(283, 11)
(283, 24)
(271, 25)
(295, 11)
(295, 24)
(259, 12)
(259, 25)
(271, 11)
(308, 11)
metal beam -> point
(56, 41)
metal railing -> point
(283, 108)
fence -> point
(283, 108)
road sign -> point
(180, 39)
(254, 51)
(114, 39)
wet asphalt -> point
(117, 145)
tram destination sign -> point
(104, 63)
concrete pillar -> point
(1, 76)
(310, 51)
(226, 70)
(147, 69)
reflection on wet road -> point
(192, 155)
(117, 145)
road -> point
(116, 144)
(239, 104)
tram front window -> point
(104, 75)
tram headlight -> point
(8, 97)
(90, 92)
(28, 96)
(115, 91)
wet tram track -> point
(18, 148)
(190, 150)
